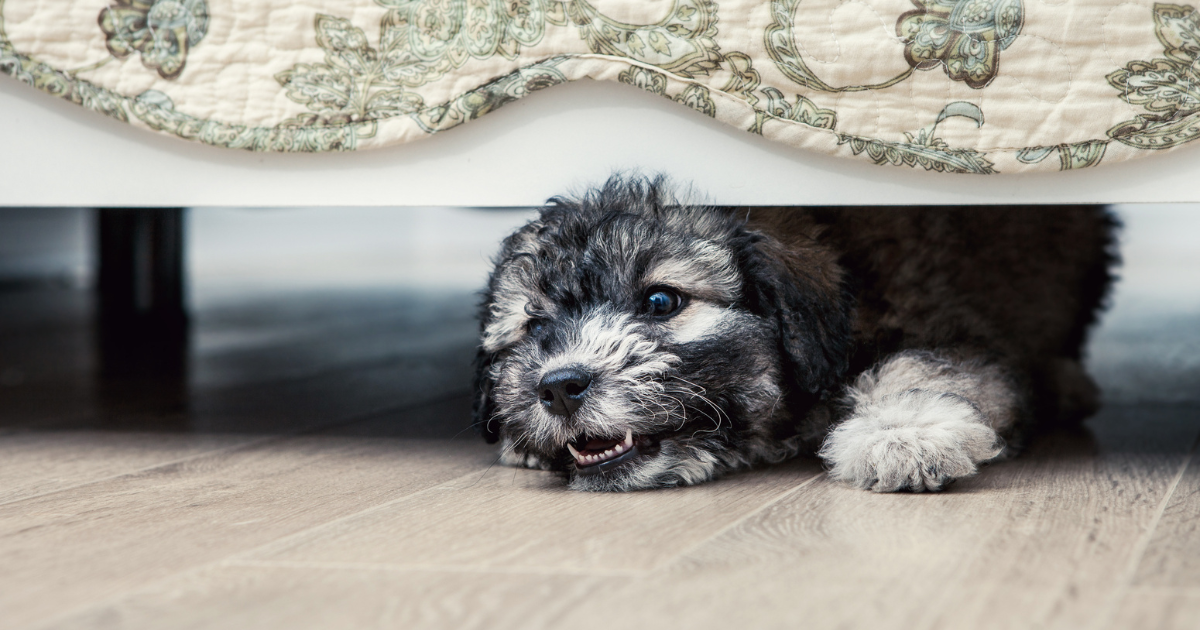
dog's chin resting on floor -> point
(631, 340)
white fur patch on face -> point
(701, 320)
(507, 312)
(606, 342)
(507, 325)
(707, 271)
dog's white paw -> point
(916, 440)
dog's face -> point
(634, 343)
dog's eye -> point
(661, 302)
(535, 326)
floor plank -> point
(81, 546)
(268, 597)
(1041, 541)
(132, 434)
(1172, 556)
(1036, 542)
(1159, 608)
(34, 463)
(528, 520)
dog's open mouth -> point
(594, 456)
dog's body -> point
(631, 341)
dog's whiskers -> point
(699, 392)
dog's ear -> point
(483, 406)
(801, 290)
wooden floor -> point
(314, 472)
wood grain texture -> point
(1042, 541)
(34, 463)
(85, 545)
(527, 520)
(1039, 542)
(122, 431)
(1158, 608)
(1172, 557)
(300, 598)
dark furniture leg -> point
(142, 325)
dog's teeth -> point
(574, 453)
(620, 448)
(628, 438)
(607, 453)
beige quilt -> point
(965, 86)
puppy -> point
(632, 340)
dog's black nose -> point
(562, 390)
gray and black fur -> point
(903, 345)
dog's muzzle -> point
(562, 391)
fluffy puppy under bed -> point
(633, 340)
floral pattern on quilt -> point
(835, 77)
(422, 40)
(925, 149)
(1168, 87)
(161, 30)
(963, 37)
(356, 83)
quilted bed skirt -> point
(963, 86)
